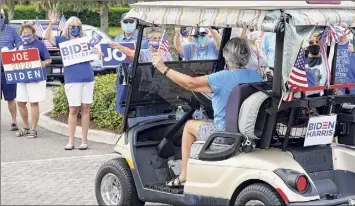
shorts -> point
(31, 92)
(206, 130)
(7, 90)
(79, 93)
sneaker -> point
(14, 127)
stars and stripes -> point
(164, 44)
(298, 77)
(61, 23)
(38, 28)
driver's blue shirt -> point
(222, 84)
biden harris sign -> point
(77, 51)
(114, 57)
(320, 130)
(22, 66)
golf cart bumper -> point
(349, 200)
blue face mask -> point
(129, 28)
(154, 44)
(201, 41)
(27, 38)
(75, 31)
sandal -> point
(69, 147)
(23, 132)
(32, 134)
(14, 127)
(83, 147)
(172, 183)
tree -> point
(10, 4)
(104, 16)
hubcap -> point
(110, 189)
(255, 203)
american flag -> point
(61, 23)
(38, 28)
(164, 44)
(298, 77)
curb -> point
(61, 128)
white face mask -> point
(253, 36)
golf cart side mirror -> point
(221, 154)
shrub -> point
(102, 111)
(87, 17)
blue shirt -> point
(222, 84)
(192, 52)
(42, 49)
(9, 39)
(268, 45)
(76, 73)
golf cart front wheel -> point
(259, 194)
(114, 184)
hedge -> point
(102, 112)
(87, 17)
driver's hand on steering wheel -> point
(158, 61)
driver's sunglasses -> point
(128, 21)
(313, 42)
(75, 27)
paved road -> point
(40, 172)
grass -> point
(114, 31)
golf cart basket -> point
(292, 25)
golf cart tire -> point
(118, 167)
(261, 192)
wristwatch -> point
(166, 70)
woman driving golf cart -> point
(236, 54)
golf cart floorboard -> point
(162, 187)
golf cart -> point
(272, 157)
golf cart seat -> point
(239, 94)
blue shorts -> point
(7, 90)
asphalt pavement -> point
(40, 172)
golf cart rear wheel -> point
(259, 194)
(114, 184)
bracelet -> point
(166, 70)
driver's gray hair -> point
(237, 52)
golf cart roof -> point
(261, 15)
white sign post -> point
(320, 130)
(77, 51)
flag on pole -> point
(61, 23)
(298, 76)
(38, 28)
(164, 42)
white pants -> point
(79, 93)
(31, 92)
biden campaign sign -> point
(77, 51)
(114, 57)
(22, 66)
(320, 130)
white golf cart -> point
(272, 159)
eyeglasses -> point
(2, 16)
(128, 21)
(75, 26)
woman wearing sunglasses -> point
(78, 78)
(202, 47)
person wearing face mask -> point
(33, 92)
(9, 40)
(130, 34)
(202, 47)
(78, 80)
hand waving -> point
(52, 16)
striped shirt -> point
(9, 39)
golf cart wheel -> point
(114, 184)
(259, 194)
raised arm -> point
(216, 38)
(127, 51)
(48, 33)
(179, 46)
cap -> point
(203, 30)
(123, 16)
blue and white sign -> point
(114, 57)
(320, 130)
